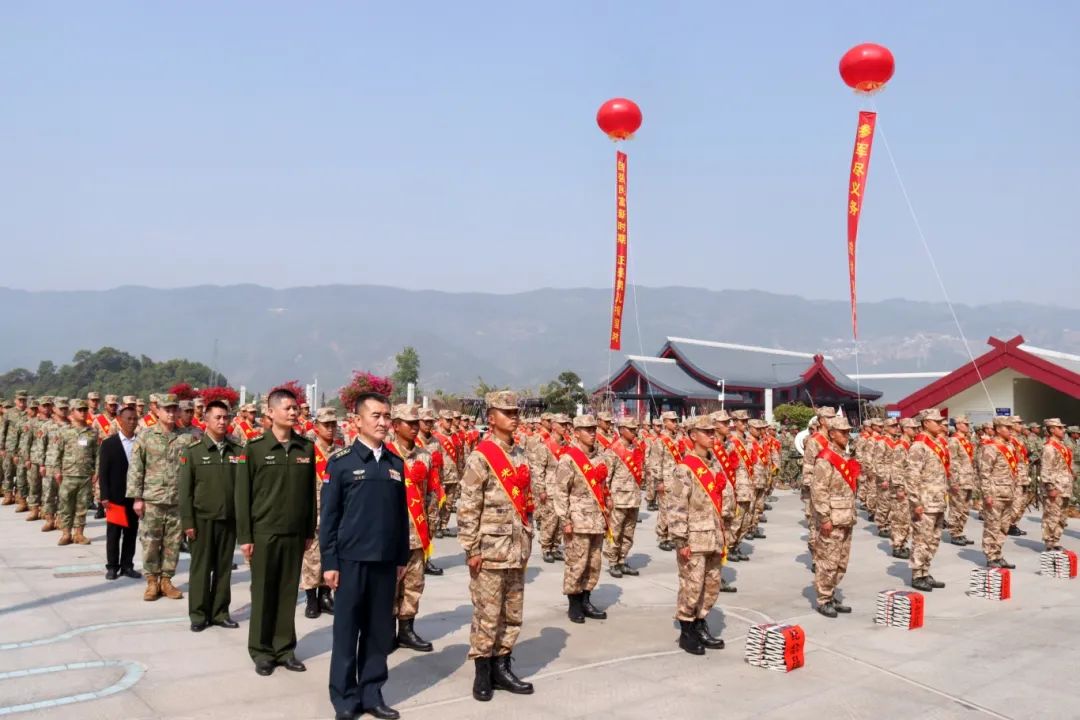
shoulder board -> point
(339, 453)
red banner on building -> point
(620, 250)
(860, 169)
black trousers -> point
(275, 580)
(120, 543)
(364, 631)
(210, 574)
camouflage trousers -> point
(1022, 499)
(926, 537)
(996, 521)
(860, 492)
(699, 585)
(960, 500)
(650, 488)
(452, 493)
(661, 517)
(50, 492)
(34, 489)
(899, 518)
(159, 533)
(8, 470)
(882, 508)
(1054, 519)
(870, 496)
(311, 570)
(623, 525)
(760, 493)
(811, 525)
(582, 569)
(74, 497)
(21, 480)
(831, 555)
(410, 587)
(744, 520)
(498, 598)
(548, 525)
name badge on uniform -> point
(83, 442)
(395, 475)
(303, 461)
(270, 459)
(359, 474)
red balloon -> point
(619, 118)
(867, 67)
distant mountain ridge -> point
(264, 336)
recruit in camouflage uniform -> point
(883, 511)
(961, 481)
(319, 597)
(698, 531)
(8, 498)
(75, 459)
(15, 419)
(39, 444)
(738, 448)
(449, 469)
(22, 476)
(927, 488)
(496, 535)
(542, 449)
(625, 459)
(1056, 463)
(998, 466)
(1074, 445)
(453, 454)
(832, 498)
(761, 475)
(900, 509)
(153, 481)
(1023, 477)
(816, 441)
(50, 490)
(667, 456)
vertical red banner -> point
(620, 250)
(860, 170)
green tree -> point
(407, 371)
(482, 388)
(564, 393)
(795, 414)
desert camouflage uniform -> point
(812, 447)
(663, 468)
(542, 466)
(311, 574)
(625, 505)
(154, 477)
(575, 504)
(744, 495)
(927, 487)
(450, 476)
(490, 526)
(961, 485)
(1020, 495)
(75, 459)
(1056, 475)
(696, 524)
(762, 471)
(411, 585)
(997, 482)
(882, 507)
(832, 500)
(895, 465)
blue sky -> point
(453, 145)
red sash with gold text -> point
(848, 469)
(416, 473)
(1006, 452)
(966, 444)
(447, 445)
(634, 461)
(713, 486)
(594, 477)
(321, 461)
(515, 481)
(936, 447)
(1066, 453)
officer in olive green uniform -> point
(275, 524)
(208, 516)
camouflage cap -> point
(825, 412)
(839, 423)
(909, 423)
(166, 400)
(875, 422)
(961, 419)
(112, 400)
(93, 396)
(629, 422)
(457, 415)
(328, 415)
(740, 415)
(892, 422)
(139, 401)
(932, 414)
(546, 416)
(405, 413)
(1002, 421)
(9, 404)
(1053, 422)
(1073, 429)
(1016, 420)
(720, 416)
(759, 424)
(45, 400)
(79, 403)
(199, 402)
(428, 414)
(561, 418)
(129, 400)
(155, 398)
(584, 421)
(669, 415)
(32, 402)
(500, 400)
(186, 405)
(247, 407)
(702, 422)
(657, 422)
(21, 395)
(446, 415)
(605, 416)
(62, 404)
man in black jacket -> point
(364, 540)
(112, 470)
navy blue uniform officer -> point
(364, 541)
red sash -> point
(1006, 452)
(594, 477)
(848, 469)
(966, 444)
(891, 443)
(671, 448)
(1022, 449)
(936, 447)
(605, 442)
(249, 432)
(685, 445)
(104, 425)
(414, 500)
(820, 439)
(196, 422)
(713, 486)
(149, 420)
(514, 482)
(447, 445)
(552, 444)
(633, 461)
(725, 462)
(745, 456)
(1066, 453)
(321, 461)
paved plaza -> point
(73, 645)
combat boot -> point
(153, 588)
(591, 611)
(689, 640)
(312, 610)
(65, 537)
(481, 688)
(959, 540)
(922, 584)
(936, 584)
(79, 538)
(9, 499)
(326, 600)
(407, 637)
(50, 523)
(549, 557)
(763, 519)
(615, 570)
(574, 610)
(21, 505)
(706, 637)
(758, 535)
(168, 590)
(557, 553)
(503, 678)
(727, 587)
(653, 506)
(627, 570)
(35, 514)
(827, 609)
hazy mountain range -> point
(260, 336)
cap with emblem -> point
(93, 396)
(585, 421)
(839, 423)
(561, 418)
(328, 415)
(1002, 421)
(129, 400)
(186, 405)
(759, 424)
(428, 414)
(1053, 422)
(20, 395)
(155, 398)
(892, 422)
(500, 400)
(628, 422)
(166, 400)
(669, 415)
(605, 416)
(405, 413)
(45, 400)
(740, 415)
(79, 404)
(961, 419)
(825, 412)
(111, 400)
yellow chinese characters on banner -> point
(620, 251)
(860, 168)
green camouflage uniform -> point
(39, 444)
(6, 468)
(76, 457)
(50, 492)
(792, 460)
(154, 477)
(22, 486)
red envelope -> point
(116, 514)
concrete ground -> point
(75, 645)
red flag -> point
(620, 250)
(860, 169)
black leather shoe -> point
(959, 540)
(199, 627)
(112, 574)
(768, 506)
(726, 587)
(733, 555)
(707, 639)
(407, 637)
(898, 552)
(312, 609)
(743, 557)
(614, 570)
(431, 569)
(549, 557)
(922, 584)
(557, 553)
(100, 514)
(689, 640)
(666, 545)
(591, 611)
(653, 506)
(326, 600)
(227, 623)
(763, 519)
(627, 570)
(936, 584)
(439, 533)
(345, 716)
(503, 678)
(264, 667)
(574, 610)
(383, 711)
(481, 689)
(294, 665)
(759, 535)
(968, 541)
(840, 607)
(827, 610)
(884, 533)
(1006, 564)
(1014, 531)
(449, 532)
